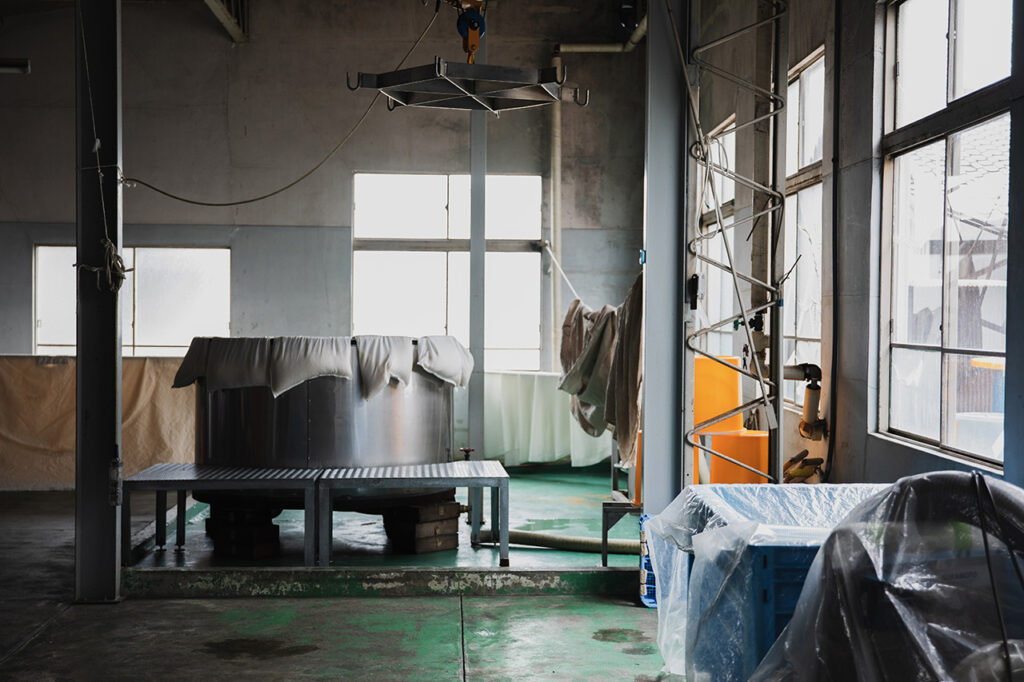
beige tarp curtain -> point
(37, 420)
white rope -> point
(561, 271)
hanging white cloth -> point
(383, 358)
(445, 358)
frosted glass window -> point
(399, 293)
(921, 58)
(512, 206)
(180, 294)
(55, 297)
(938, 62)
(397, 206)
(512, 305)
(808, 268)
(981, 45)
(424, 292)
(168, 296)
(793, 128)
(812, 112)
(914, 391)
(719, 298)
(975, 404)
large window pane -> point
(808, 268)
(976, 230)
(512, 305)
(56, 300)
(399, 293)
(512, 206)
(917, 239)
(55, 296)
(181, 293)
(915, 392)
(790, 294)
(921, 59)
(981, 44)
(400, 206)
(793, 128)
(812, 113)
(975, 405)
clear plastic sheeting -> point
(708, 612)
(923, 582)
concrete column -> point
(477, 281)
(98, 400)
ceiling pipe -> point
(634, 39)
(556, 161)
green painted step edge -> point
(312, 582)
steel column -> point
(777, 245)
(98, 370)
(664, 272)
(1013, 410)
(477, 283)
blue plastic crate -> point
(777, 575)
(647, 587)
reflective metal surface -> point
(326, 422)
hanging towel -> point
(622, 401)
(445, 358)
(237, 363)
(193, 365)
(295, 359)
(588, 342)
(381, 359)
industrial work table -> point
(184, 477)
(470, 474)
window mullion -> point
(947, 330)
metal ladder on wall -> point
(769, 384)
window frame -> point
(801, 179)
(132, 347)
(975, 108)
(450, 245)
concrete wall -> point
(213, 121)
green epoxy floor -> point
(435, 638)
(559, 500)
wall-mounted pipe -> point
(556, 160)
(580, 48)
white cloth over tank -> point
(383, 358)
(295, 359)
(527, 420)
(445, 358)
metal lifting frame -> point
(769, 398)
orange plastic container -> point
(749, 447)
(716, 390)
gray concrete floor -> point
(43, 635)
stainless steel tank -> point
(326, 422)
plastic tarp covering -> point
(527, 420)
(717, 524)
(923, 582)
(37, 420)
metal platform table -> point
(185, 477)
(473, 474)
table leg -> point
(309, 536)
(495, 521)
(604, 537)
(161, 518)
(326, 525)
(126, 526)
(179, 535)
(503, 521)
(476, 501)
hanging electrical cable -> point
(132, 181)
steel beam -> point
(477, 281)
(98, 370)
(232, 16)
